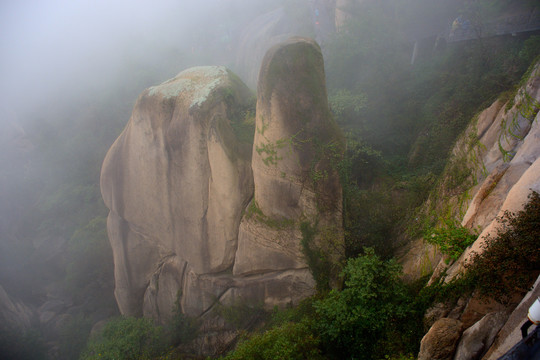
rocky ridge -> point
(498, 158)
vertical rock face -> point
(296, 144)
(176, 186)
(190, 223)
(499, 153)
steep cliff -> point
(197, 216)
(493, 169)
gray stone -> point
(477, 339)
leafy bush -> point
(510, 261)
(127, 338)
(452, 238)
(318, 262)
(289, 341)
(346, 106)
(354, 322)
(241, 315)
(181, 328)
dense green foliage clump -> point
(451, 237)
(127, 339)
(292, 341)
(373, 315)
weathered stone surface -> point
(418, 258)
(505, 164)
(441, 340)
(295, 145)
(478, 307)
(478, 338)
(178, 182)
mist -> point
(58, 48)
(71, 72)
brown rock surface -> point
(441, 340)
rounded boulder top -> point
(197, 83)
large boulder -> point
(191, 224)
(497, 160)
(295, 151)
(441, 340)
(477, 339)
(176, 182)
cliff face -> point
(197, 216)
(494, 167)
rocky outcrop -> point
(176, 186)
(441, 340)
(294, 150)
(199, 217)
(510, 334)
(498, 159)
(478, 338)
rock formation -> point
(294, 149)
(440, 341)
(500, 153)
(198, 217)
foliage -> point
(127, 338)
(289, 341)
(510, 261)
(346, 106)
(241, 315)
(353, 322)
(181, 329)
(451, 238)
(317, 260)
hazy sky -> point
(52, 45)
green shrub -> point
(451, 238)
(318, 262)
(355, 321)
(181, 328)
(127, 338)
(290, 341)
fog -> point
(50, 47)
(71, 71)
